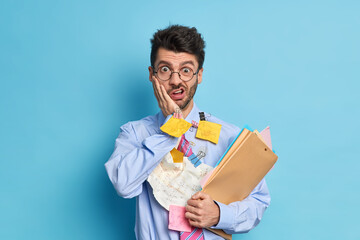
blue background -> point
(72, 72)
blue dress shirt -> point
(140, 147)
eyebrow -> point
(181, 64)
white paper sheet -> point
(175, 183)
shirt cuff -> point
(227, 216)
(167, 119)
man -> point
(177, 57)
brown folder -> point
(244, 165)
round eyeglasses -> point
(164, 73)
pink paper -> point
(177, 220)
(266, 136)
(204, 179)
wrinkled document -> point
(175, 183)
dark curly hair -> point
(178, 38)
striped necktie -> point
(195, 233)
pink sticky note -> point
(205, 178)
(266, 136)
(177, 220)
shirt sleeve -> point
(133, 160)
(242, 216)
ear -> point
(151, 73)
(200, 75)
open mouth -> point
(177, 94)
(180, 91)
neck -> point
(188, 109)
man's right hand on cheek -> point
(166, 104)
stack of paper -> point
(242, 167)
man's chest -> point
(207, 152)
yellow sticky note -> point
(209, 131)
(177, 156)
(175, 127)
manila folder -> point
(246, 166)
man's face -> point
(180, 92)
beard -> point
(188, 96)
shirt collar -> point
(193, 115)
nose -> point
(175, 78)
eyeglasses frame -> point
(195, 73)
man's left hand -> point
(202, 211)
